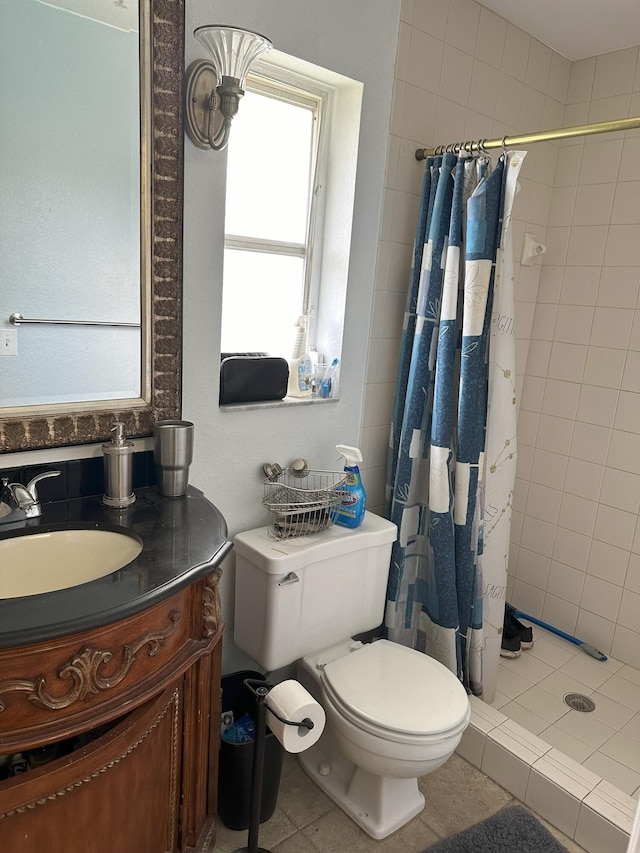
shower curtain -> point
(452, 444)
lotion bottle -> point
(300, 366)
(350, 511)
(118, 469)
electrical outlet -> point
(9, 342)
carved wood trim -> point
(172, 705)
(211, 604)
(83, 670)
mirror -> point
(159, 271)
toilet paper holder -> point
(260, 689)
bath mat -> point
(511, 830)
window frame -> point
(288, 86)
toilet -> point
(393, 713)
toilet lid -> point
(397, 688)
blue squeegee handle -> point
(590, 650)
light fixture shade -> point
(233, 49)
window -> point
(291, 177)
(273, 214)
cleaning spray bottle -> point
(300, 366)
(350, 512)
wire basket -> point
(301, 505)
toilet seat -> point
(396, 693)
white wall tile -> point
(587, 245)
(626, 646)
(580, 285)
(571, 548)
(622, 247)
(604, 366)
(577, 514)
(624, 451)
(590, 442)
(581, 80)
(583, 478)
(608, 562)
(614, 526)
(538, 536)
(462, 24)
(431, 17)
(614, 73)
(628, 412)
(594, 203)
(619, 286)
(561, 614)
(595, 630)
(561, 398)
(492, 30)
(567, 362)
(515, 56)
(425, 61)
(573, 323)
(554, 434)
(611, 328)
(543, 502)
(626, 205)
(601, 597)
(597, 405)
(565, 582)
(629, 613)
(548, 468)
(621, 489)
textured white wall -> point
(230, 447)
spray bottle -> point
(350, 512)
(300, 366)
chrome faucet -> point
(19, 502)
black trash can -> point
(236, 760)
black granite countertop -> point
(183, 539)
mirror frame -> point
(163, 309)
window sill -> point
(287, 402)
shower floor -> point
(531, 690)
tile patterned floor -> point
(307, 821)
(530, 692)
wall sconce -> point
(216, 87)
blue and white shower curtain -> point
(452, 444)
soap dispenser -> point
(118, 469)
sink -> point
(34, 563)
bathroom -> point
(503, 80)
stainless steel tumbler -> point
(172, 455)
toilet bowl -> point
(393, 715)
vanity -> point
(110, 690)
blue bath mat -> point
(511, 830)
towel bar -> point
(17, 319)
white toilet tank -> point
(297, 596)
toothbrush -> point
(590, 650)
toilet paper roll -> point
(291, 701)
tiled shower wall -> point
(463, 72)
(576, 560)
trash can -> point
(236, 760)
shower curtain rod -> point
(527, 138)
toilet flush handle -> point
(292, 577)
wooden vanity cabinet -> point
(139, 702)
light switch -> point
(9, 342)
